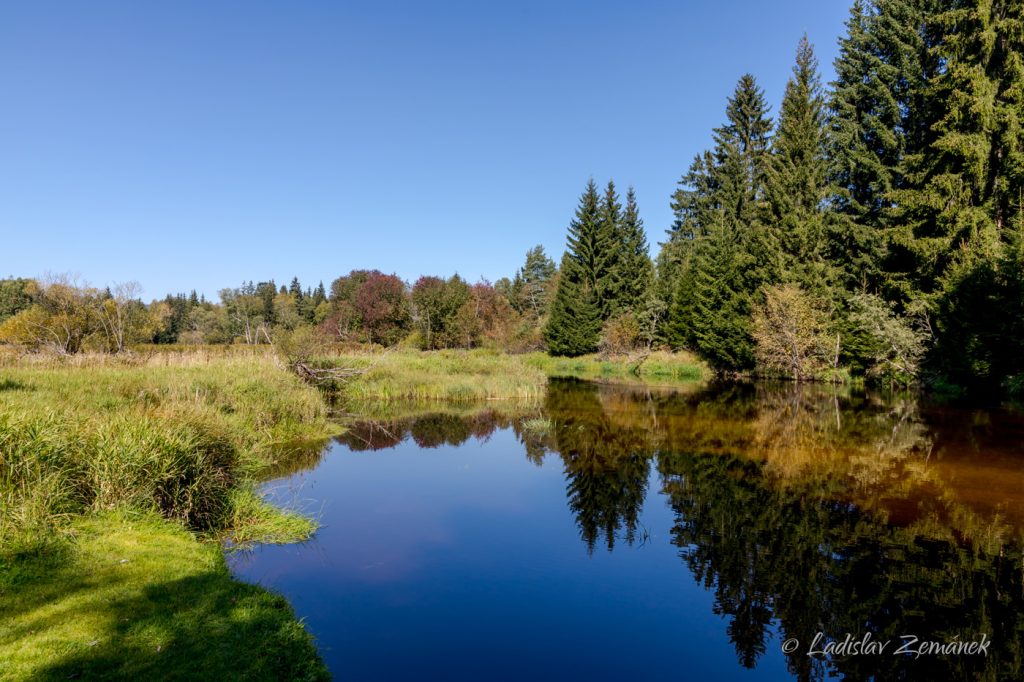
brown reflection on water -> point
(955, 472)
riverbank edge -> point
(115, 590)
(91, 637)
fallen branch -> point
(315, 375)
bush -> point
(791, 334)
(892, 346)
(620, 335)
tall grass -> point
(471, 375)
(660, 367)
(179, 436)
(450, 375)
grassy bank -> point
(182, 441)
(659, 367)
(131, 596)
(472, 375)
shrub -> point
(791, 334)
(620, 335)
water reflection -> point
(801, 510)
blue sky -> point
(198, 144)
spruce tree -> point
(965, 185)
(635, 267)
(295, 289)
(609, 277)
(878, 116)
(574, 325)
(730, 253)
(319, 295)
(693, 206)
(717, 301)
(796, 179)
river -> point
(740, 532)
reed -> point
(178, 439)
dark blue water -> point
(464, 563)
(617, 535)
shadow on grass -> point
(241, 632)
(12, 385)
(150, 605)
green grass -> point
(659, 368)
(179, 442)
(474, 375)
(450, 375)
(178, 439)
(136, 597)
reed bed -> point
(449, 376)
(179, 436)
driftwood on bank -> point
(317, 375)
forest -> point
(872, 228)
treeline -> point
(362, 307)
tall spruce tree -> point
(965, 185)
(635, 267)
(693, 207)
(574, 324)
(609, 277)
(796, 180)
(878, 116)
(723, 251)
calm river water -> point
(618, 533)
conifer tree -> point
(295, 289)
(730, 253)
(718, 303)
(319, 295)
(529, 287)
(574, 325)
(878, 116)
(796, 183)
(635, 267)
(608, 275)
(693, 206)
(965, 185)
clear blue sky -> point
(197, 144)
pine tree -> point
(796, 182)
(529, 287)
(575, 322)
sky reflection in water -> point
(612, 533)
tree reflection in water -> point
(797, 506)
